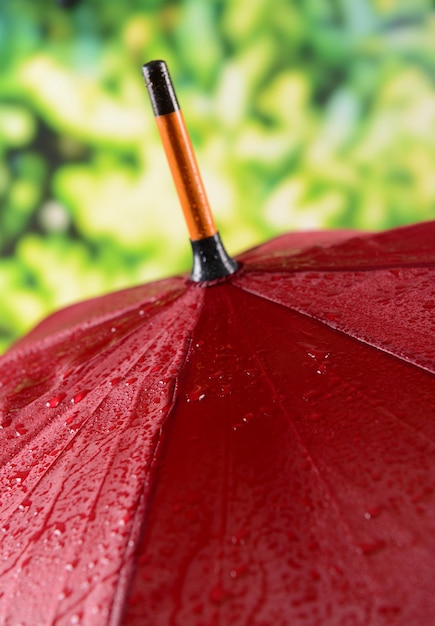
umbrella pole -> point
(210, 259)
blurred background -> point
(304, 115)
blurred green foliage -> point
(304, 115)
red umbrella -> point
(252, 448)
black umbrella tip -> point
(210, 260)
(160, 88)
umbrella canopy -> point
(252, 445)
(260, 451)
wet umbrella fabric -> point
(256, 452)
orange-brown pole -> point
(186, 175)
(210, 259)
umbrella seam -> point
(402, 357)
(108, 349)
(255, 268)
(371, 579)
(152, 341)
(116, 614)
(51, 341)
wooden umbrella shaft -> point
(186, 175)
(210, 259)
(179, 151)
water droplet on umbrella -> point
(79, 396)
(59, 528)
(19, 477)
(130, 381)
(20, 429)
(322, 368)
(97, 609)
(65, 593)
(54, 402)
(215, 375)
(239, 538)
(6, 423)
(373, 512)
(246, 419)
(317, 354)
(125, 519)
(225, 390)
(312, 394)
(236, 572)
(195, 395)
(25, 504)
(115, 381)
(75, 427)
(70, 566)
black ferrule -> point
(210, 260)
(160, 88)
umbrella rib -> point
(76, 434)
(227, 474)
(52, 340)
(376, 347)
(153, 456)
(109, 390)
(115, 611)
(116, 606)
(409, 427)
(23, 551)
(328, 487)
(109, 459)
(401, 357)
(41, 478)
(347, 333)
(224, 516)
(258, 268)
(108, 350)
